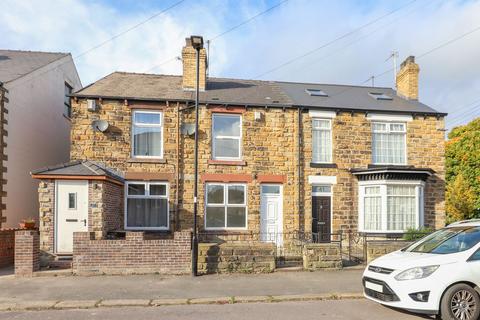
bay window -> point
(390, 206)
(226, 206)
(146, 206)
(321, 141)
(227, 137)
(388, 143)
(147, 130)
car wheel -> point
(460, 302)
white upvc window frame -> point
(239, 138)
(147, 125)
(419, 200)
(147, 195)
(388, 125)
(330, 129)
(225, 205)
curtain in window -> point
(401, 207)
(147, 141)
(322, 144)
(147, 212)
(372, 209)
(388, 148)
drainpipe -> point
(299, 158)
(177, 171)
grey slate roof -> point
(169, 87)
(15, 63)
(136, 86)
(79, 168)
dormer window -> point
(316, 92)
(380, 96)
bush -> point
(413, 234)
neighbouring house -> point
(277, 161)
(39, 112)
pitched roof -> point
(169, 87)
(15, 63)
(79, 168)
(154, 87)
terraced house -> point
(275, 159)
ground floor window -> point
(226, 206)
(146, 206)
(390, 206)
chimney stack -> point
(407, 79)
(189, 56)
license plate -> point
(374, 286)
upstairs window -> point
(67, 102)
(388, 143)
(147, 206)
(322, 141)
(147, 128)
(227, 137)
(226, 206)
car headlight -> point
(416, 273)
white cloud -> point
(449, 76)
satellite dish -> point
(188, 129)
(100, 125)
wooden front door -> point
(321, 218)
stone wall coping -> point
(320, 245)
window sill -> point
(323, 165)
(226, 231)
(228, 162)
(146, 160)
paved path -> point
(157, 287)
(315, 310)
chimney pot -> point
(407, 79)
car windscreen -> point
(448, 240)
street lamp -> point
(197, 44)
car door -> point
(474, 266)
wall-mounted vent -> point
(380, 96)
(316, 92)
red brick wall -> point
(7, 247)
(27, 252)
(134, 255)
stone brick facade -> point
(242, 258)
(27, 253)
(270, 146)
(133, 255)
(7, 247)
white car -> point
(439, 274)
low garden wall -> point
(322, 256)
(242, 258)
(132, 255)
(7, 247)
(376, 249)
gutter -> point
(259, 105)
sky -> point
(319, 41)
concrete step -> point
(289, 262)
(61, 262)
(289, 269)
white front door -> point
(271, 215)
(71, 212)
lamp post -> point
(197, 44)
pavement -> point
(79, 292)
(305, 310)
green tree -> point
(463, 172)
